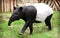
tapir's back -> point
(43, 11)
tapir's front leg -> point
(31, 28)
(25, 27)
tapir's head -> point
(17, 14)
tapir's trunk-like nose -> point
(9, 23)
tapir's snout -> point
(12, 19)
(9, 23)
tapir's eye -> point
(16, 13)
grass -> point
(39, 29)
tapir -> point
(34, 13)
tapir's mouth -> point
(9, 23)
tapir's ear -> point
(20, 8)
(14, 8)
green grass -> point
(39, 29)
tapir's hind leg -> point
(48, 21)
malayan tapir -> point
(32, 13)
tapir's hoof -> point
(20, 33)
(49, 29)
(30, 33)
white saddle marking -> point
(43, 11)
